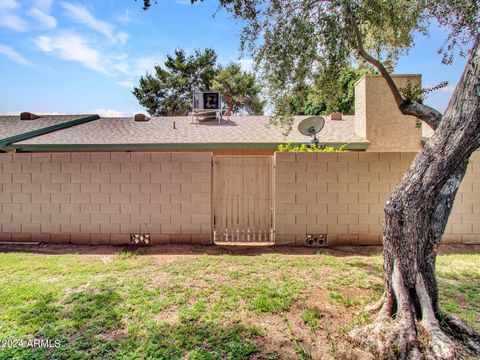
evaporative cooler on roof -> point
(207, 101)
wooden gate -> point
(242, 199)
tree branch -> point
(361, 51)
(425, 113)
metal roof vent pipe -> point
(28, 116)
(141, 117)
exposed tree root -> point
(376, 306)
(441, 345)
(466, 334)
(401, 331)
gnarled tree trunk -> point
(407, 326)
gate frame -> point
(272, 203)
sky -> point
(79, 57)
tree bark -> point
(429, 116)
(415, 218)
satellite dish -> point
(311, 126)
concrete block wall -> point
(343, 194)
(100, 198)
(378, 119)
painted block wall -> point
(343, 194)
(378, 119)
(100, 198)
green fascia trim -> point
(172, 146)
(31, 134)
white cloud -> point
(45, 20)
(125, 18)
(9, 19)
(9, 4)
(135, 67)
(144, 64)
(82, 15)
(122, 67)
(72, 47)
(126, 83)
(13, 22)
(40, 113)
(122, 37)
(39, 11)
(44, 5)
(13, 55)
(108, 112)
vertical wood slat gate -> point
(243, 199)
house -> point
(92, 180)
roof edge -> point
(171, 146)
(31, 134)
(393, 76)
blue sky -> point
(84, 56)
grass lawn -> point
(204, 303)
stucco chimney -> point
(378, 119)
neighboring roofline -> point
(171, 146)
(34, 133)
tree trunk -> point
(415, 218)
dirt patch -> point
(169, 316)
(288, 335)
(112, 336)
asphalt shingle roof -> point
(12, 125)
(159, 130)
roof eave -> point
(171, 146)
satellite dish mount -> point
(311, 126)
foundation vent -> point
(139, 239)
(316, 240)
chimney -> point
(141, 117)
(378, 119)
(28, 116)
(336, 116)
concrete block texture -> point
(378, 119)
(102, 197)
(347, 197)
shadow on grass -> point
(338, 251)
(91, 325)
(192, 249)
